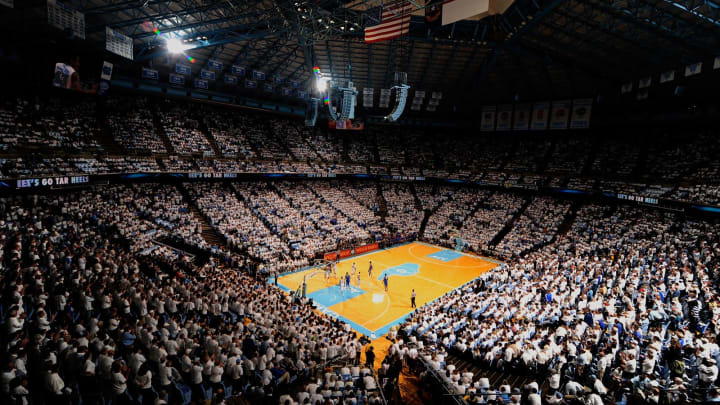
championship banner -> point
(207, 74)
(230, 79)
(716, 63)
(368, 94)
(434, 102)
(105, 78)
(268, 88)
(215, 64)
(645, 82)
(118, 43)
(183, 69)
(416, 105)
(521, 119)
(250, 84)
(504, 117)
(384, 98)
(437, 94)
(667, 76)
(66, 18)
(258, 75)
(201, 84)
(487, 120)
(107, 69)
(301, 94)
(286, 91)
(431, 107)
(419, 94)
(278, 79)
(238, 70)
(581, 110)
(177, 79)
(626, 88)
(560, 114)
(149, 74)
(7, 3)
(692, 70)
(541, 112)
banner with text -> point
(521, 120)
(582, 107)
(118, 43)
(560, 114)
(541, 112)
(66, 18)
(177, 79)
(504, 117)
(487, 120)
(151, 74)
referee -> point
(412, 299)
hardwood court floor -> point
(431, 270)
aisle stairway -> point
(500, 235)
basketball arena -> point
(359, 202)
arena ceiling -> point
(536, 49)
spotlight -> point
(175, 45)
(321, 84)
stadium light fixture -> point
(175, 45)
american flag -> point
(389, 21)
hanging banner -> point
(201, 84)
(295, 84)
(521, 119)
(229, 79)
(582, 107)
(207, 74)
(626, 88)
(384, 98)
(716, 63)
(437, 94)
(645, 82)
(504, 118)
(177, 79)
(238, 70)
(642, 94)
(419, 94)
(66, 18)
(368, 94)
(258, 75)
(301, 94)
(118, 43)
(107, 69)
(286, 91)
(268, 88)
(541, 113)
(487, 120)
(250, 84)
(560, 114)
(667, 76)
(278, 79)
(431, 107)
(183, 69)
(692, 70)
(149, 74)
(215, 65)
(434, 101)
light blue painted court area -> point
(445, 255)
(332, 295)
(405, 269)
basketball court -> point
(431, 270)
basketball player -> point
(358, 276)
(353, 269)
(347, 279)
(370, 270)
(385, 281)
